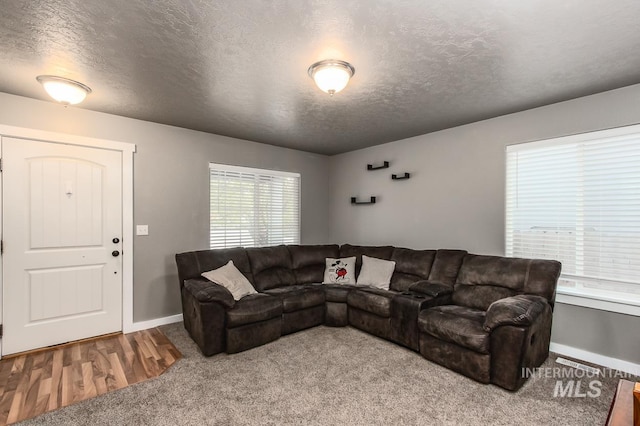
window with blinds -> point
(577, 200)
(253, 207)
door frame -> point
(127, 150)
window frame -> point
(611, 302)
(257, 171)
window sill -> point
(621, 304)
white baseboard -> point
(143, 325)
(603, 360)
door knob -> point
(115, 253)
(116, 240)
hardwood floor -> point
(36, 382)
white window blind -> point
(252, 207)
(577, 200)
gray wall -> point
(455, 197)
(171, 187)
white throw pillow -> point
(340, 271)
(229, 277)
(376, 272)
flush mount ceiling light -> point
(331, 75)
(64, 90)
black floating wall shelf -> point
(355, 201)
(401, 177)
(385, 165)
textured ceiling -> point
(239, 67)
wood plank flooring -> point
(36, 382)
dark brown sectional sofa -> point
(486, 317)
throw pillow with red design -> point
(340, 271)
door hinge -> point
(0, 164)
(1, 251)
(0, 330)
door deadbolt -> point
(115, 253)
(116, 240)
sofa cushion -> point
(254, 308)
(372, 300)
(484, 279)
(479, 296)
(340, 271)
(446, 266)
(230, 278)
(297, 297)
(381, 252)
(528, 276)
(493, 270)
(411, 266)
(192, 264)
(337, 292)
(308, 262)
(456, 324)
(271, 267)
(376, 272)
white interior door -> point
(62, 231)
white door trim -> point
(127, 149)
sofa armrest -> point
(431, 288)
(207, 291)
(520, 310)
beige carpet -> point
(326, 376)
